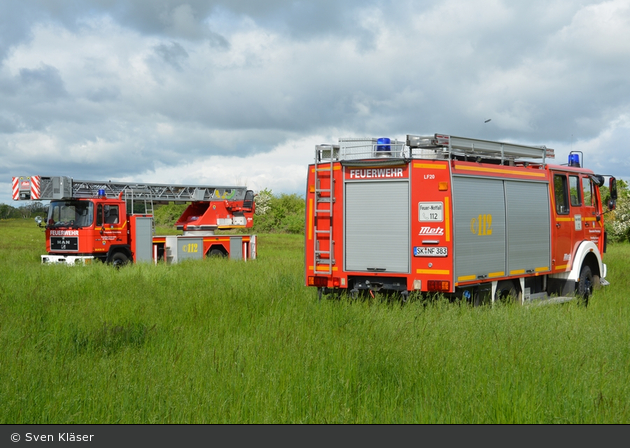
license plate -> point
(64, 243)
(430, 251)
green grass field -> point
(218, 341)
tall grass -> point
(216, 341)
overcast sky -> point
(239, 92)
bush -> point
(167, 215)
(281, 214)
(618, 221)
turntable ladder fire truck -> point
(90, 220)
(473, 219)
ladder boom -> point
(62, 187)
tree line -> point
(28, 209)
(275, 213)
(285, 213)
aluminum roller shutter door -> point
(377, 226)
(528, 225)
(479, 208)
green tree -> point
(6, 211)
(262, 200)
(284, 213)
(30, 209)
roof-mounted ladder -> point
(472, 147)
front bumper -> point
(69, 260)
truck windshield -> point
(74, 214)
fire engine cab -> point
(473, 219)
(95, 220)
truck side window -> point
(587, 191)
(111, 214)
(561, 194)
(99, 215)
(249, 199)
(574, 184)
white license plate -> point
(430, 251)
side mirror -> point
(612, 186)
(38, 220)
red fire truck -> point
(90, 220)
(473, 219)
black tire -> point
(507, 292)
(481, 297)
(585, 285)
(119, 259)
(216, 253)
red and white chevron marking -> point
(15, 181)
(35, 191)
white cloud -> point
(283, 169)
(224, 91)
(600, 31)
(607, 153)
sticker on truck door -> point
(430, 211)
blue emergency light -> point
(574, 160)
(101, 193)
(382, 144)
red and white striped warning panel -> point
(35, 192)
(15, 188)
(24, 188)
